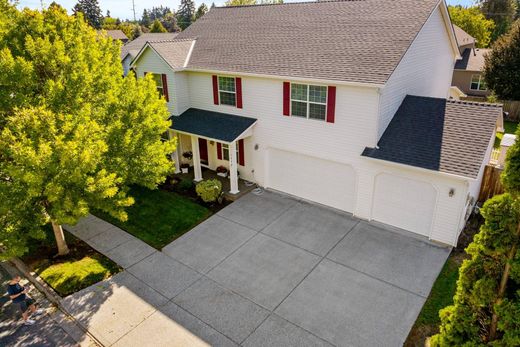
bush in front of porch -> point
(158, 217)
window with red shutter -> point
(286, 98)
(215, 89)
(241, 153)
(331, 104)
(238, 87)
(219, 151)
(165, 86)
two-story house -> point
(467, 73)
(343, 103)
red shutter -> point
(238, 87)
(215, 89)
(165, 87)
(331, 104)
(241, 153)
(219, 151)
(286, 98)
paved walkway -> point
(51, 329)
(268, 270)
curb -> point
(49, 293)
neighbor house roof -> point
(133, 47)
(356, 41)
(472, 59)
(438, 134)
(463, 38)
(214, 125)
(117, 35)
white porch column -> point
(175, 155)
(196, 159)
(233, 178)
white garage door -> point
(404, 203)
(314, 179)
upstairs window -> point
(159, 83)
(478, 83)
(309, 101)
(227, 91)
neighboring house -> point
(467, 74)
(335, 102)
(117, 35)
(130, 50)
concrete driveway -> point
(267, 270)
(279, 272)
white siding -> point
(425, 70)
(150, 62)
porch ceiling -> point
(213, 125)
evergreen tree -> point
(186, 13)
(157, 27)
(169, 22)
(74, 134)
(502, 65)
(91, 12)
(502, 12)
(201, 11)
(145, 19)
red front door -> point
(203, 150)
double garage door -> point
(398, 201)
(322, 181)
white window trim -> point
(226, 91)
(480, 78)
(161, 87)
(309, 102)
(226, 146)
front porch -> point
(208, 174)
(210, 141)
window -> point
(227, 91)
(225, 152)
(478, 83)
(309, 101)
(158, 81)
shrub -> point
(185, 184)
(209, 190)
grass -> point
(509, 128)
(440, 296)
(67, 277)
(159, 217)
(81, 268)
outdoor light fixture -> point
(452, 192)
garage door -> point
(404, 203)
(326, 182)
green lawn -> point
(509, 127)
(159, 217)
(70, 276)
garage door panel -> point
(312, 178)
(405, 203)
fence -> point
(513, 110)
(491, 184)
(495, 155)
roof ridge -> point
(476, 103)
(170, 40)
(286, 3)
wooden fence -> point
(513, 110)
(491, 184)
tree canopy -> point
(501, 69)
(157, 27)
(502, 12)
(472, 21)
(74, 134)
(91, 12)
(201, 11)
(186, 13)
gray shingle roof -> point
(438, 134)
(472, 59)
(214, 125)
(463, 38)
(117, 34)
(356, 41)
(133, 47)
(173, 52)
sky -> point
(123, 8)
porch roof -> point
(213, 125)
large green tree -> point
(186, 13)
(157, 27)
(502, 65)
(502, 12)
(486, 306)
(74, 134)
(201, 11)
(472, 21)
(91, 12)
